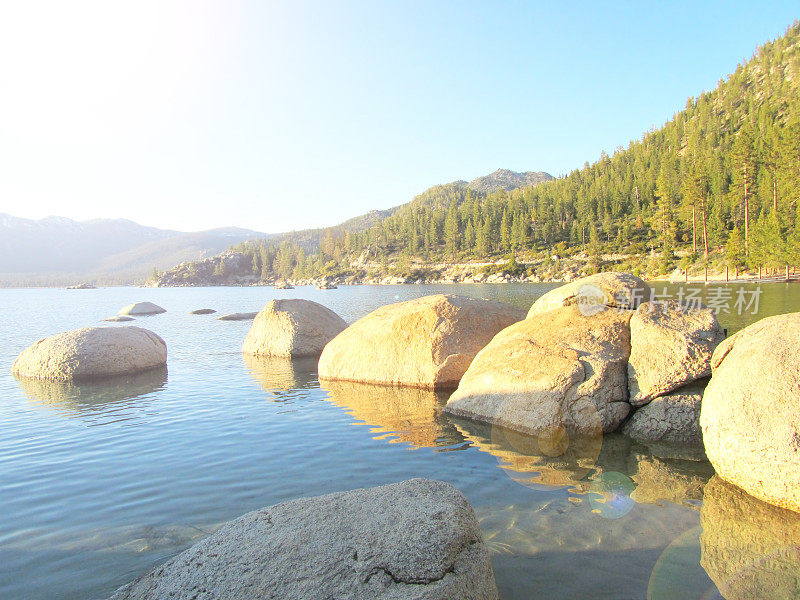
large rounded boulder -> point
(92, 353)
(417, 539)
(751, 410)
(292, 328)
(142, 308)
(671, 346)
(428, 342)
(560, 370)
(612, 289)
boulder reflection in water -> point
(75, 399)
(605, 465)
(553, 458)
(409, 415)
(750, 549)
(279, 374)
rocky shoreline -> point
(232, 269)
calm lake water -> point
(100, 482)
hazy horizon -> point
(276, 118)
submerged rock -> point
(292, 327)
(554, 371)
(142, 308)
(202, 311)
(671, 345)
(751, 410)
(119, 319)
(674, 418)
(416, 539)
(246, 316)
(92, 353)
(613, 289)
(749, 548)
(428, 342)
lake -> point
(99, 482)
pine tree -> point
(775, 246)
(735, 255)
(505, 233)
(664, 214)
(451, 230)
(469, 237)
(743, 158)
(481, 241)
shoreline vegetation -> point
(555, 269)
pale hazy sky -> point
(277, 116)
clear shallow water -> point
(100, 482)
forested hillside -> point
(717, 185)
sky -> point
(277, 116)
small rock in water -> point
(203, 311)
(119, 319)
(238, 316)
(142, 308)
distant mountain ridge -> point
(59, 250)
(504, 179)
